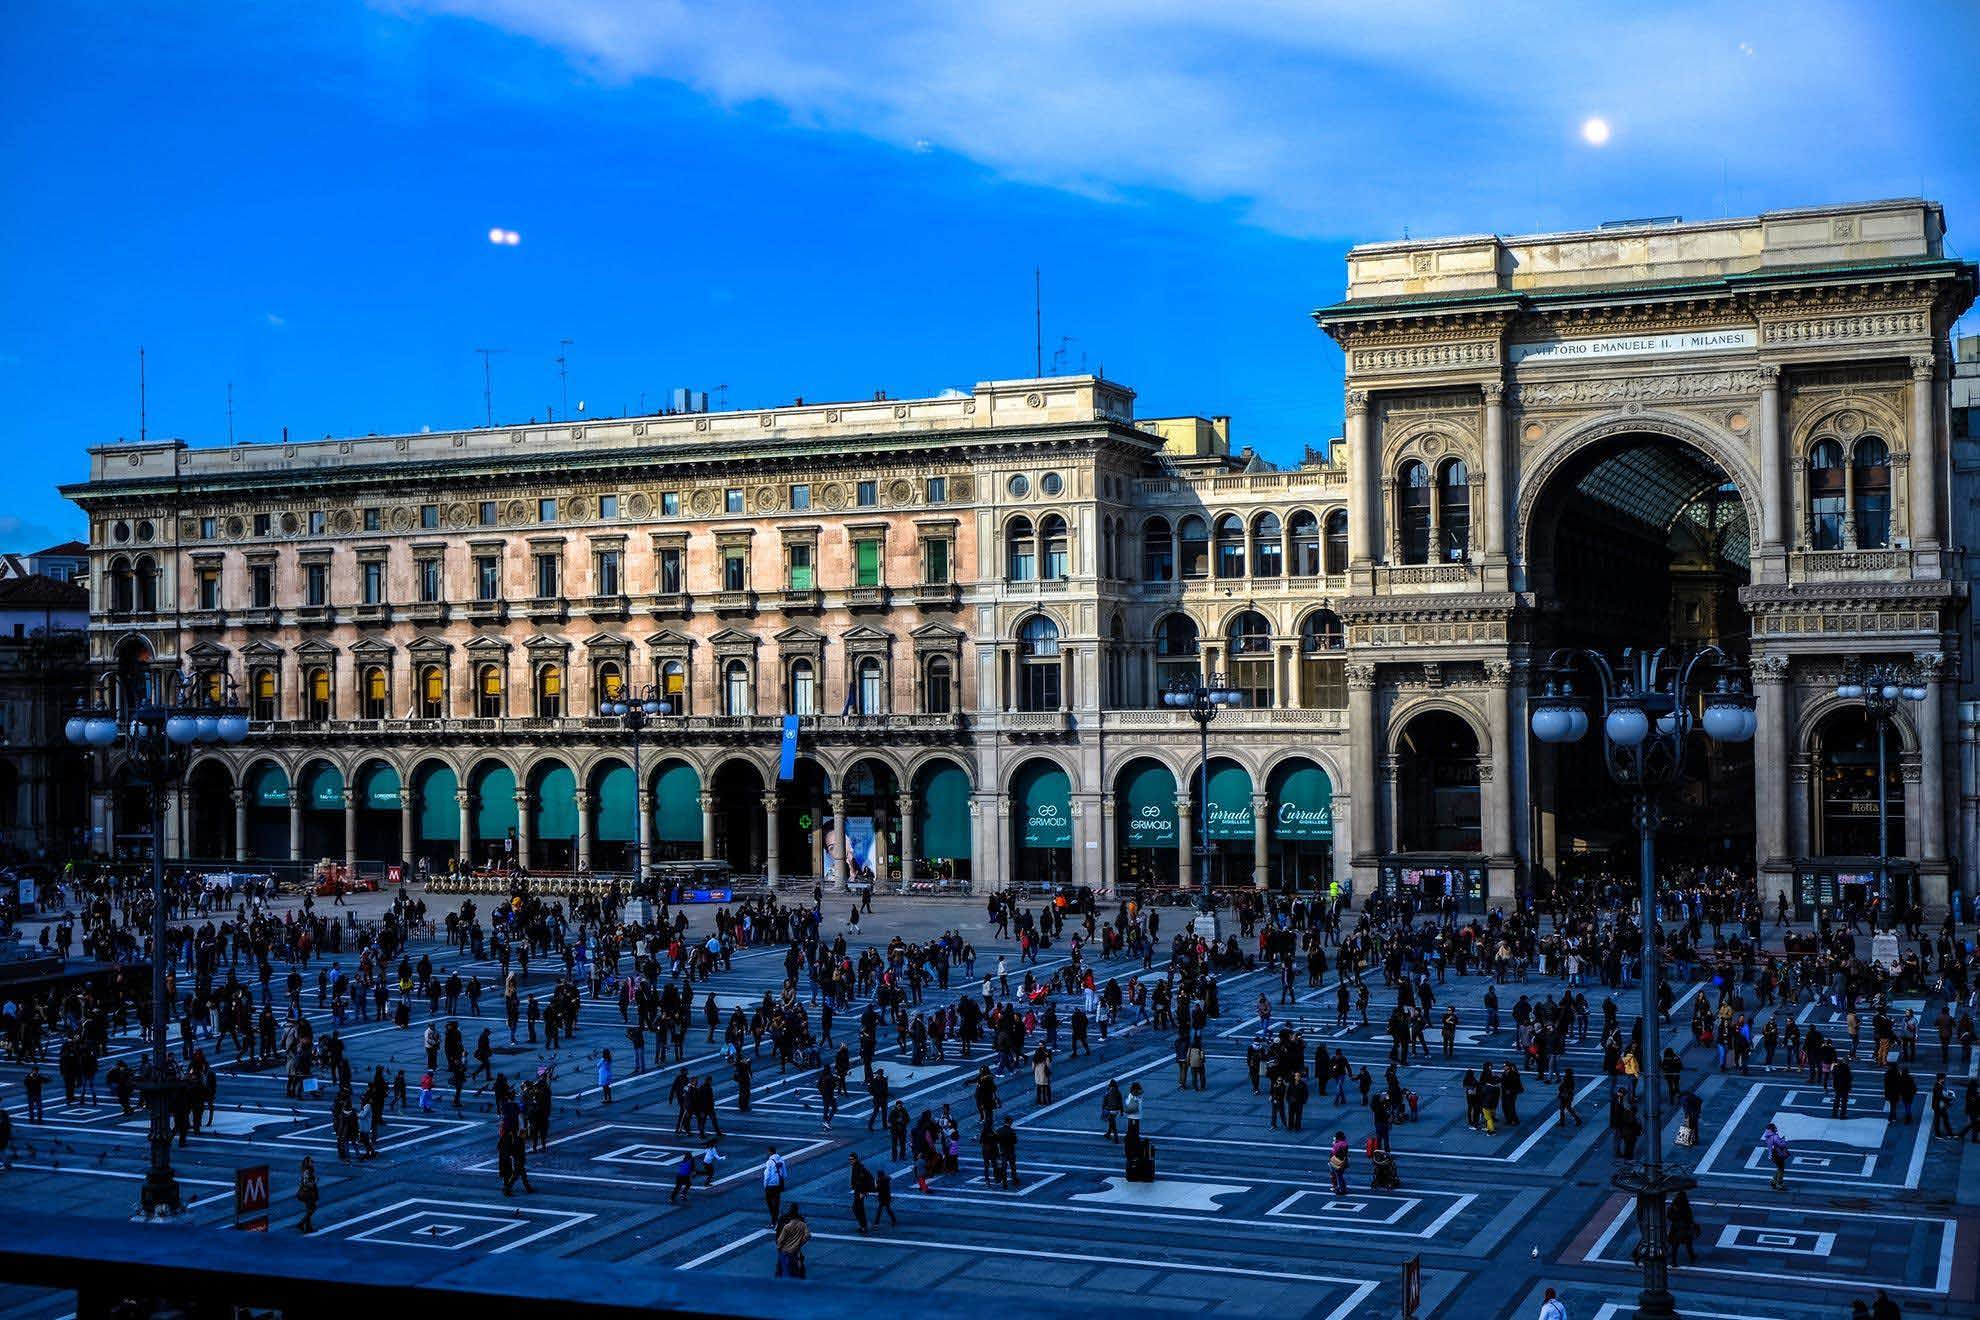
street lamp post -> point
(636, 712)
(157, 738)
(1202, 697)
(1881, 690)
(1647, 719)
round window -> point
(144, 532)
(120, 532)
(1020, 485)
(1051, 483)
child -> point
(426, 1093)
(883, 1187)
(605, 1075)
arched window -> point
(1337, 542)
(1040, 670)
(1872, 507)
(263, 691)
(1177, 653)
(1116, 693)
(1453, 512)
(432, 692)
(1248, 643)
(1322, 661)
(871, 696)
(488, 692)
(1194, 535)
(1020, 551)
(316, 695)
(1828, 495)
(374, 693)
(1413, 512)
(611, 681)
(1158, 551)
(1304, 530)
(1052, 535)
(735, 688)
(1230, 546)
(673, 686)
(1107, 549)
(938, 686)
(1437, 788)
(804, 688)
(1268, 546)
(147, 585)
(123, 592)
(549, 691)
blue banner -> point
(787, 754)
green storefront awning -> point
(268, 786)
(1303, 808)
(941, 815)
(495, 804)
(677, 804)
(618, 810)
(439, 811)
(554, 814)
(1230, 802)
(1043, 797)
(379, 788)
(323, 788)
(1148, 807)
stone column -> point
(643, 850)
(350, 830)
(240, 825)
(406, 848)
(1773, 461)
(904, 804)
(1185, 841)
(773, 863)
(522, 828)
(582, 798)
(1496, 787)
(465, 844)
(1931, 846)
(1800, 807)
(1107, 886)
(1498, 468)
(175, 813)
(102, 823)
(1772, 759)
(817, 834)
(295, 826)
(841, 868)
(1364, 478)
(1261, 840)
(1365, 759)
(1923, 457)
(707, 827)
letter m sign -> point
(251, 1198)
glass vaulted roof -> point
(1663, 483)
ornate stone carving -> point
(1829, 329)
(1433, 673)
(1357, 401)
(1931, 665)
(1769, 373)
(1551, 394)
(1499, 673)
(1360, 674)
(1770, 668)
(1426, 357)
(1921, 365)
(1494, 390)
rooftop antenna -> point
(563, 381)
(141, 419)
(721, 397)
(1060, 355)
(1037, 323)
(488, 382)
(230, 412)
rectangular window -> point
(316, 584)
(798, 560)
(732, 499)
(608, 573)
(209, 588)
(373, 577)
(429, 581)
(869, 494)
(735, 571)
(261, 586)
(608, 506)
(670, 503)
(373, 519)
(938, 490)
(546, 510)
(429, 516)
(866, 564)
(800, 497)
(261, 524)
(546, 577)
(935, 562)
(488, 513)
(487, 577)
(209, 528)
(318, 520)
(670, 571)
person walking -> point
(776, 1175)
(1564, 1099)
(1683, 1228)
(1552, 1307)
(1777, 1150)
(861, 1185)
(792, 1233)
(308, 1193)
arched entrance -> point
(209, 812)
(1639, 540)
(1301, 831)
(803, 809)
(871, 829)
(615, 817)
(676, 813)
(1844, 821)
(321, 796)
(1041, 824)
(377, 800)
(1232, 831)
(492, 807)
(1147, 834)
(267, 787)
(941, 823)
(553, 818)
(739, 825)
(436, 813)
(1437, 797)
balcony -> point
(259, 617)
(733, 602)
(669, 605)
(1034, 723)
(608, 607)
(546, 609)
(205, 620)
(934, 595)
(376, 613)
(485, 611)
(799, 600)
(867, 599)
(430, 613)
(315, 616)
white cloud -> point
(1310, 117)
(277, 321)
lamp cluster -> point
(1560, 714)
(1216, 696)
(187, 721)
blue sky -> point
(825, 200)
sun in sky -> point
(1595, 131)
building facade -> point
(1654, 435)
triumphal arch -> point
(1654, 433)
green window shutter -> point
(868, 553)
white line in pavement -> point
(1082, 1094)
(722, 1251)
(116, 1173)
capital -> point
(1769, 373)
(1499, 673)
(1360, 674)
(1922, 366)
(1495, 390)
(1931, 665)
(1357, 401)
(1770, 668)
